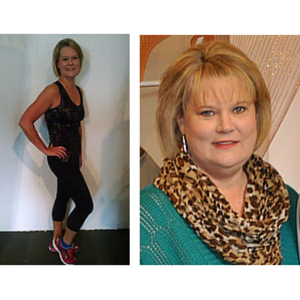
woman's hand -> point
(59, 151)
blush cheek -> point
(198, 131)
(199, 137)
(249, 133)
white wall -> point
(27, 186)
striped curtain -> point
(278, 59)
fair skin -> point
(221, 135)
(69, 66)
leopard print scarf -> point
(250, 239)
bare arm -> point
(34, 112)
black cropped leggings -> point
(70, 184)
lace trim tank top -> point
(63, 124)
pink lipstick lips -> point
(225, 144)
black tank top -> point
(63, 124)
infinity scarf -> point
(250, 239)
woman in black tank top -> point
(62, 104)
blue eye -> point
(207, 113)
(239, 109)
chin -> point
(233, 161)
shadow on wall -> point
(115, 158)
(20, 148)
(12, 73)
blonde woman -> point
(215, 201)
(62, 104)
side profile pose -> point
(62, 104)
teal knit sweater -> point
(167, 239)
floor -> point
(97, 247)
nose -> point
(225, 123)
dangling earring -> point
(184, 144)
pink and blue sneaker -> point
(66, 255)
(75, 247)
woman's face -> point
(220, 125)
(68, 62)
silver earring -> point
(184, 144)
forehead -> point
(66, 51)
(222, 89)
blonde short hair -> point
(181, 81)
(56, 53)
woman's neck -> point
(223, 177)
(67, 81)
(229, 181)
(233, 186)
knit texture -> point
(167, 239)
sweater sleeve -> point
(166, 238)
(159, 243)
(289, 241)
(151, 224)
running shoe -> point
(66, 255)
(75, 247)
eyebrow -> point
(69, 55)
(235, 104)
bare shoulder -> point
(50, 90)
(49, 97)
(45, 100)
